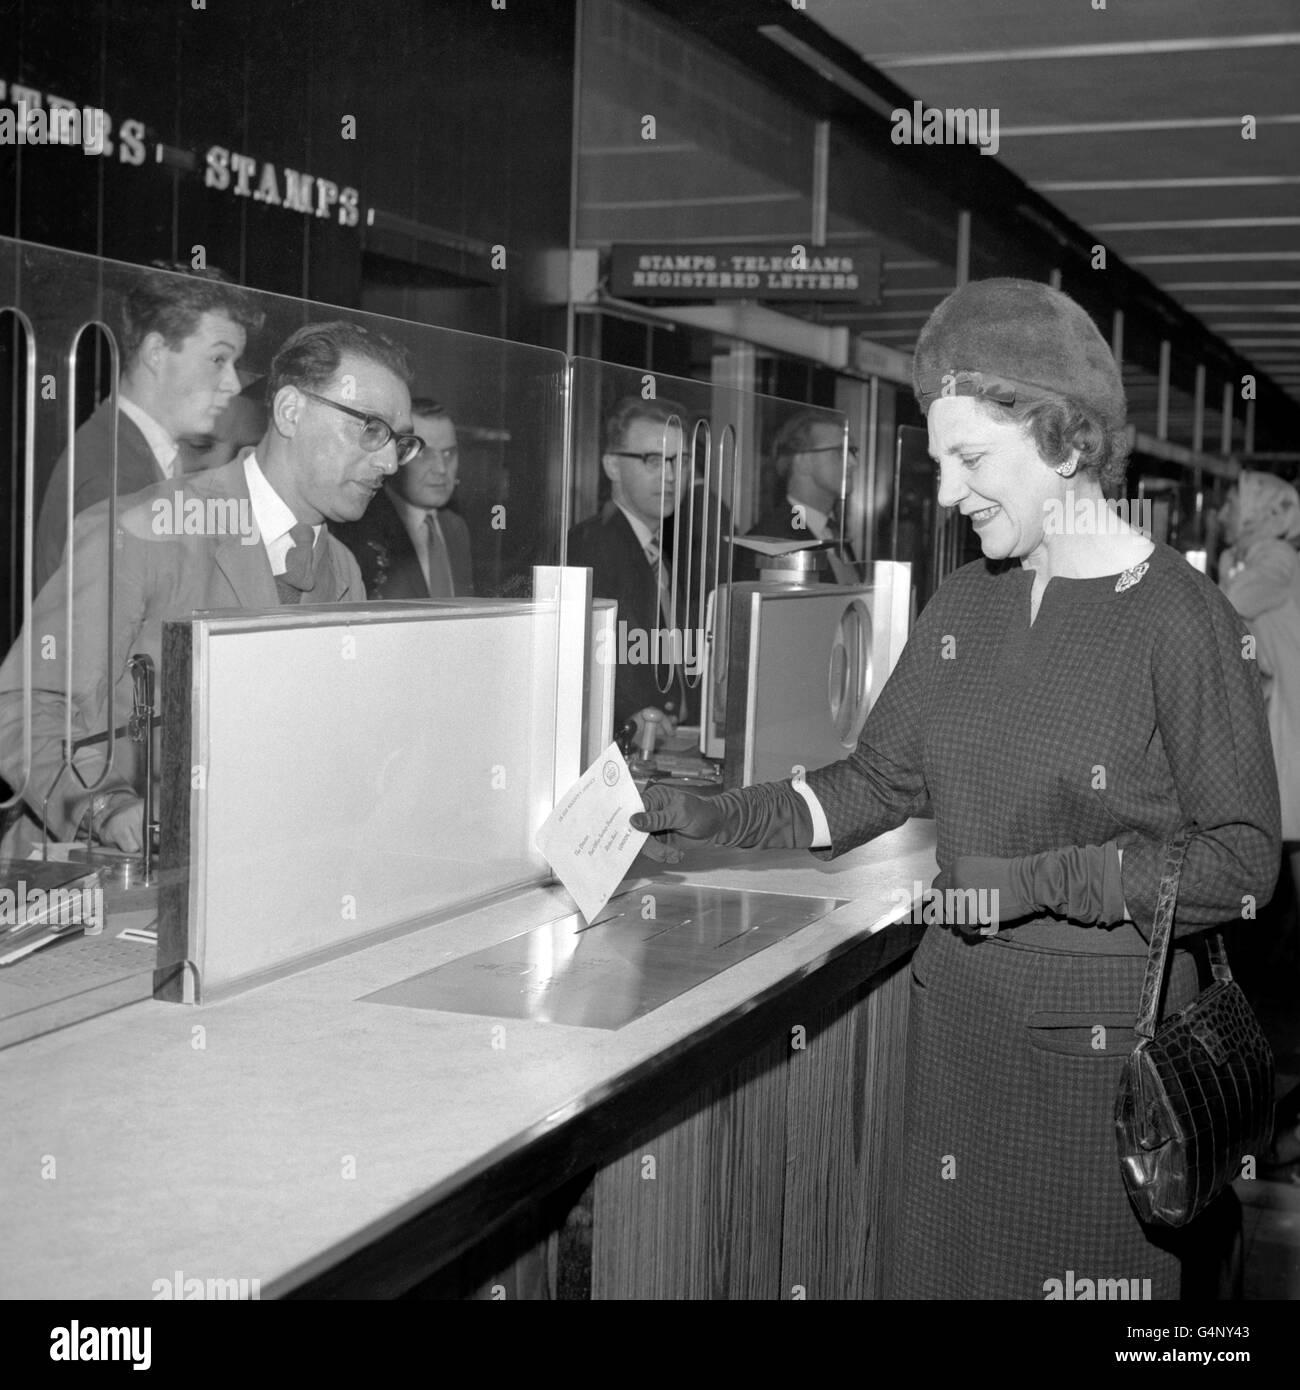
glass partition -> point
(182, 431)
(188, 492)
(756, 422)
(664, 471)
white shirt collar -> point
(163, 447)
(271, 515)
(639, 529)
(817, 523)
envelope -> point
(586, 839)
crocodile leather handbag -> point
(1196, 1094)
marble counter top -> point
(269, 1135)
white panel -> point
(361, 775)
(570, 590)
(891, 607)
(599, 725)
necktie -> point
(669, 666)
(440, 580)
(298, 577)
(841, 557)
(653, 554)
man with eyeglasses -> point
(250, 534)
(623, 544)
(809, 455)
(410, 544)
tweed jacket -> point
(159, 576)
(1124, 710)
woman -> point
(1260, 574)
(1064, 705)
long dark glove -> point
(771, 815)
(1080, 882)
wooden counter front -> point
(298, 1137)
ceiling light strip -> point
(1196, 258)
(823, 67)
(1245, 308)
(1176, 224)
(651, 203)
(1109, 185)
(1230, 285)
(1129, 127)
(1207, 43)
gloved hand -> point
(771, 815)
(119, 819)
(1080, 882)
(124, 827)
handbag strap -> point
(1162, 931)
(1219, 967)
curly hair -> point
(1058, 427)
(172, 299)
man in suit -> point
(409, 544)
(249, 534)
(622, 545)
(809, 456)
(181, 336)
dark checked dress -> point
(1124, 709)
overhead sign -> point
(40, 118)
(740, 270)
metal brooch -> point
(1131, 577)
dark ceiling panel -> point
(1218, 62)
(1214, 152)
(1207, 240)
(1099, 206)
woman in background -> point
(1260, 574)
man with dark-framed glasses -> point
(809, 456)
(624, 545)
(250, 534)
